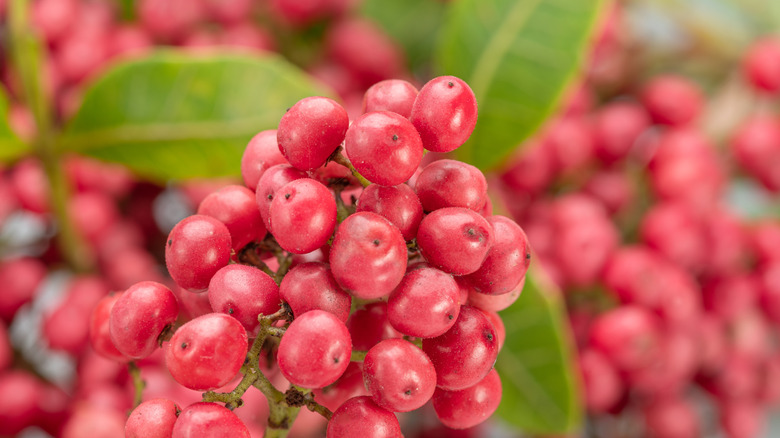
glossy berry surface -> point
(207, 352)
(507, 259)
(260, 154)
(235, 207)
(243, 292)
(470, 406)
(139, 316)
(465, 353)
(196, 249)
(208, 420)
(311, 130)
(152, 419)
(315, 350)
(425, 304)
(450, 183)
(311, 286)
(672, 100)
(360, 416)
(455, 240)
(398, 375)
(369, 325)
(384, 147)
(390, 95)
(762, 65)
(272, 180)
(303, 215)
(398, 204)
(444, 113)
(368, 256)
(99, 334)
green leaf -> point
(518, 57)
(11, 147)
(540, 387)
(414, 24)
(178, 115)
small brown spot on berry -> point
(170, 242)
(450, 316)
(489, 336)
(335, 359)
(376, 242)
(270, 197)
(450, 84)
(184, 345)
(528, 256)
(395, 137)
(287, 196)
(408, 392)
(230, 310)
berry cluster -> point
(370, 282)
(671, 293)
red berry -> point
(398, 375)
(235, 206)
(20, 278)
(616, 127)
(369, 325)
(208, 420)
(444, 113)
(384, 147)
(303, 216)
(152, 418)
(471, 406)
(570, 142)
(465, 354)
(207, 352)
(398, 204)
(671, 418)
(260, 154)
(360, 416)
(315, 350)
(425, 304)
(139, 316)
(756, 145)
(507, 259)
(310, 131)
(455, 239)
(197, 248)
(311, 286)
(628, 336)
(19, 395)
(450, 183)
(368, 255)
(602, 383)
(494, 303)
(244, 292)
(365, 50)
(272, 180)
(672, 100)
(349, 385)
(99, 335)
(762, 65)
(390, 95)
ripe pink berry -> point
(273, 179)
(99, 335)
(315, 350)
(672, 100)
(493, 303)
(393, 95)
(471, 406)
(20, 392)
(303, 216)
(465, 354)
(208, 420)
(20, 278)
(244, 292)
(398, 204)
(451, 183)
(369, 325)
(152, 418)
(139, 316)
(675, 232)
(398, 375)
(360, 416)
(311, 286)
(671, 418)
(235, 206)
(628, 336)
(616, 128)
(603, 386)
(368, 255)
(507, 259)
(444, 113)
(425, 304)
(197, 248)
(531, 171)
(570, 142)
(311, 130)
(742, 418)
(169, 19)
(207, 352)
(756, 145)
(384, 147)
(260, 154)
(365, 50)
(762, 65)
(455, 240)
(6, 350)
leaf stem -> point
(138, 383)
(339, 158)
(26, 52)
(358, 356)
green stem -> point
(138, 382)
(338, 157)
(358, 356)
(26, 52)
